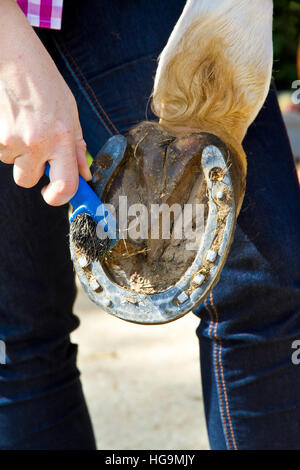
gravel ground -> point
(142, 384)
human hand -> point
(38, 114)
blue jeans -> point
(107, 53)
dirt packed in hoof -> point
(158, 168)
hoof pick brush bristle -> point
(92, 226)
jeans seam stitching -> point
(101, 113)
(222, 376)
(117, 68)
(212, 335)
(101, 109)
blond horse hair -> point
(205, 82)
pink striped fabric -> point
(43, 13)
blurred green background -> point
(286, 37)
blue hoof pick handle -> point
(86, 201)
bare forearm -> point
(24, 62)
(13, 24)
(215, 70)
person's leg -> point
(107, 53)
(246, 346)
(246, 340)
(41, 401)
(249, 322)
